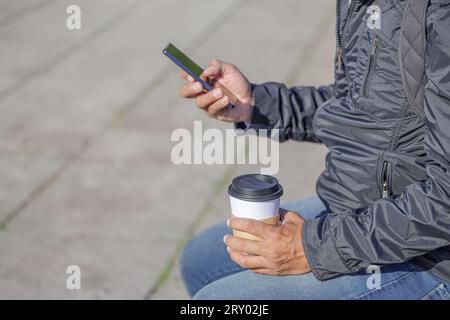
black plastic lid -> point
(255, 187)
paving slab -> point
(88, 202)
(12, 11)
(32, 45)
(76, 100)
(19, 173)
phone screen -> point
(184, 59)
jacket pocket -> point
(438, 293)
(386, 179)
(364, 93)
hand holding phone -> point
(215, 88)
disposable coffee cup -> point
(255, 196)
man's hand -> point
(279, 253)
(216, 101)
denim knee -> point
(186, 260)
(205, 258)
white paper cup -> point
(255, 196)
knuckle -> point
(239, 259)
(243, 260)
(289, 215)
(293, 216)
(200, 101)
(239, 245)
(248, 225)
(213, 111)
(270, 232)
(271, 254)
(275, 254)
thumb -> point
(215, 68)
(290, 217)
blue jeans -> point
(209, 273)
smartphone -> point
(191, 68)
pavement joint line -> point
(71, 49)
(312, 44)
(21, 13)
(123, 110)
(42, 187)
(226, 177)
(218, 188)
(206, 209)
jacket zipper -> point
(386, 178)
(372, 59)
(338, 38)
(340, 51)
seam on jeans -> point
(440, 289)
(412, 272)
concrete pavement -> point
(85, 124)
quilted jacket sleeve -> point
(291, 110)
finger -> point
(217, 107)
(255, 227)
(248, 261)
(214, 69)
(245, 245)
(183, 74)
(205, 100)
(191, 90)
(265, 271)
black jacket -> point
(387, 176)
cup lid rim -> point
(255, 187)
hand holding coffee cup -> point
(266, 246)
(255, 196)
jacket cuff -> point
(263, 111)
(320, 248)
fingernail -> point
(217, 93)
(228, 223)
(228, 249)
(225, 238)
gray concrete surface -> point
(85, 122)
